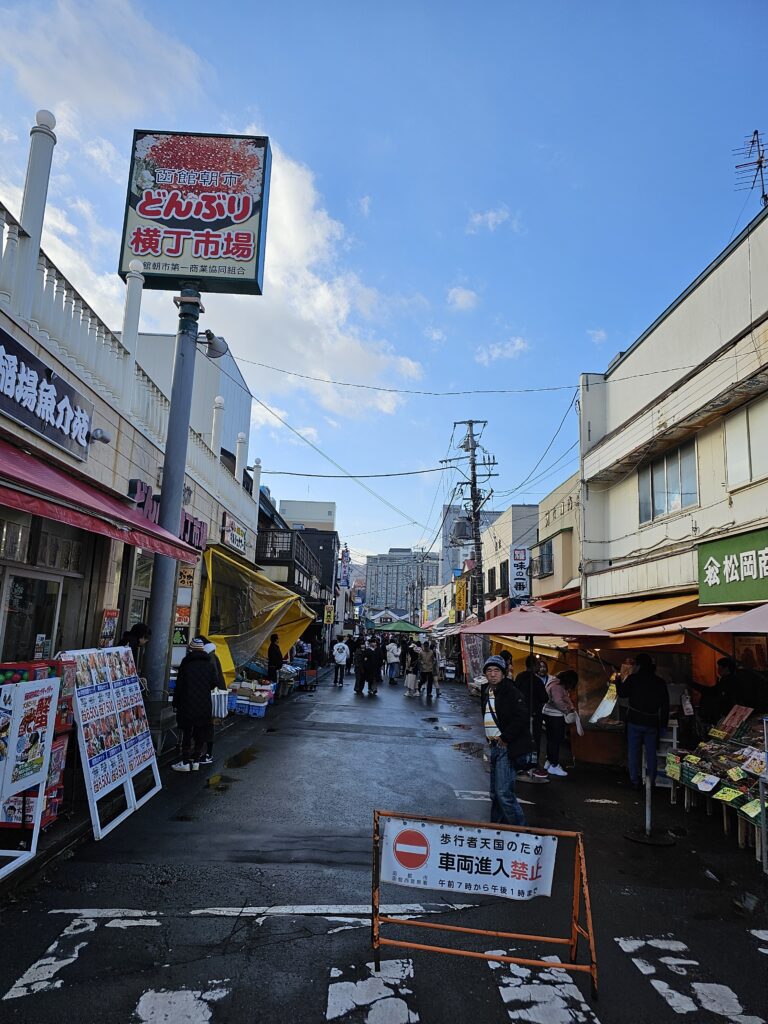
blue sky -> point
(495, 195)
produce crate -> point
(257, 710)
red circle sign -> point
(411, 849)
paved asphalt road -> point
(245, 901)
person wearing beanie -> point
(505, 717)
(192, 704)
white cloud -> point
(332, 422)
(106, 157)
(598, 335)
(511, 349)
(309, 318)
(434, 334)
(6, 135)
(492, 219)
(462, 299)
(97, 60)
(364, 205)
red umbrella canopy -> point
(753, 621)
(529, 620)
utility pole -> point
(469, 445)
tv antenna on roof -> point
(754, 167)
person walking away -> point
(427, 669)
(411, 669)
(558, 709)
(274, 659)
(359, 663)
(534, 693)
(340, 659)
(647, 715)
(371, 669)
(507, 730)
(393, 661)
(192, 704)
(352, 643)
(404, 653)
(379, 657)
(221, 684)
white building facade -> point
(673, 438)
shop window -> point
(56, 552)
(746, 453)
(504, 577)
(142, 574)
(492, 582)
(542, 564)
(668, 484)
(14, 541)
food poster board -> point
(113, 730)
(27, 716)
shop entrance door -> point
(29, 615)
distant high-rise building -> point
(395, 580)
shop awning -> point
(753, 621)
(31, 485)
(242, 608)
(563, 601)
(615, 614)
(665, 634)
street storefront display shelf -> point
(728, 767)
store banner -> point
(467, 859)
(734, 569)
(233, 534)
(461, 595)
(32, 395)
(519, 573)
(113, 731)
(473, 647)
(197, 210)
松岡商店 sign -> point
(734, 569)
(197, 210)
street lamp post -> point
(174, 468)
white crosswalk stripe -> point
(540, 996)
(681, 981)
(361, 995)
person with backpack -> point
(557, 711)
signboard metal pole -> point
(375, 891)
(174, 467)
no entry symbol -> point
(411, 849)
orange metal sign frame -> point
(580, 890)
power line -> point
(455, 394)
(357, 476)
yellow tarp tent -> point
(242, 608)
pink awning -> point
(31, 485)
(530, 620)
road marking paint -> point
(331, 910)
(681, 982)
(547, 996)
(132, 922)
(97, 912)
(481, 796)
(370, 997)
(161, 1006)
(40, 977)
(596, 801)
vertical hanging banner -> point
(113, 730)
(197, 210)
(520, 573)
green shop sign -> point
(734, 569)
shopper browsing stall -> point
(647, 714)
(192, 704)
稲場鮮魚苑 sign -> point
(197, 210)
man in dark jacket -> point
(506, 721)
(531, 686)
(274, 659)
(192, 704)
(647, 717)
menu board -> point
(115, 739)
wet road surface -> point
(241, 893)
